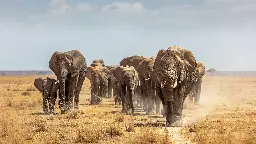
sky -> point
(220, 33)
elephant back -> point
(132, 61)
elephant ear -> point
(201, 69)
(38, 83)
(89, 72)
(52, 62)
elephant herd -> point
(137, 81)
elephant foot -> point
(150, 112)
(46, 112)
(128, 112)
(175, 121)
(63, 112)
(52, 113)
(76, 107)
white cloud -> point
(83, 7)
(59, 6)
(124, 7)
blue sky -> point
(221, 33)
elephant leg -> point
(160, 97)
(67, 92)
(119, 96)
(150, 93)
(62, 95)
(130, 107)
(45, 101)
(158, 103)
(105, 90)
(71, 89)
(197, 93)
(144, 97)
(52, 100)
(92, 95)
(124, 99)
(100, 93)
(139, 98)
(178, 100)
(78, 88)
(110, 88)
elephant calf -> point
(48, 87)
(128, 80)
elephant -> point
(176, 72)
(48, 87)
(146, 93)
(196, 90)
(128, 80)
(98, 77)
(99, 62)
(70, 68)
(112, 81)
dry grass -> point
(21, 120)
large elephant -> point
(48, 87)
(146, 94)
(98, 76)
(176, 71)
(128, 80)
(70, 69)
(196, 90)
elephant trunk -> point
(62, 81)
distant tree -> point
(212, 70)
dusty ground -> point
(227, 114)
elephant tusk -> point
(175, 84)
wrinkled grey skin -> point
(128, 79)
(70, 69)
(176, 72)
(98, 77)
(48, 87)
(196, 90)
(112, 81)
(146, 93)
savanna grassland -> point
(227, 114)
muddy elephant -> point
(176, 71)
(48, 87)
(146, 92)
(127, 78)
(70, 69)
(196, 90)
(98, 77)
(112, 81)
(99, 62)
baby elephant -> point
(48, 87)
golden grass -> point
(22, 121)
